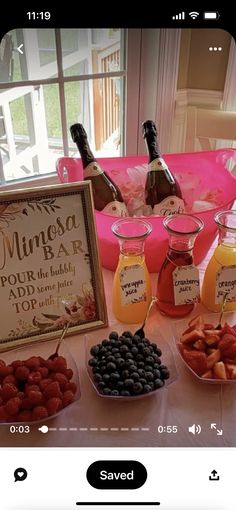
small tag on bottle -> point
(170, 205)
(186, 285)
(157, 164)
(132, 285)
(116, 208)
(225, 282)
(92, 170)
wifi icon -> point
(193, 14)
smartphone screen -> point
(92, 415)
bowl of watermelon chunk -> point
(34, 388)
(208, 352)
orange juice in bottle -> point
(131, 291)
(220, 274)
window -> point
(50, 79)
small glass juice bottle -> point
(220, 274)
(131, 291)
(178, 281)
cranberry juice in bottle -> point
(178, 281)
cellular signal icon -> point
(181, 15)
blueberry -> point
(114, 350)
(127, 334)
(94, 350)
(149, 360)
(165, 374)
(128, 383)
(157, 363)
(101, 385)
(92, 362)
(111, 359)
(134, 350)
(137, 388)
(115, 393)
(103, 369)
(120, 385)
(120, 362)
(156, 373)
(125, 374)
(133, 368)
(149, 376)
(148, 368)
(111, 367)
(124, 349)
(146, 351)
(141, 372)
(147, 388)
(141, 364)
(143, 381)
(105, 342)
(114, 376)
(117, 355)
(114, 335)
(139, 357)
(128, 355)
(135, 376)
(97, 377)
(129, 362)
(107, 391)
(158, 383)
(106, 377)
(136, 339)
(158, 351)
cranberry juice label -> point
(186, 285)
(226, 283)
(132, 285)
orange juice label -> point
(225, 282)
(116, 208)
(92, 170)
(186, 285)
(170, 205)
(132, 284)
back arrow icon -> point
(19, 48)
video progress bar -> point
(144, 503)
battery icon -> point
(211, 15)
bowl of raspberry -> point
(35, 388)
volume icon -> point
(195, 429)
(181, 15)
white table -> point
(185, 402)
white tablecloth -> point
(99, 422)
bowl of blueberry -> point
(123, 366)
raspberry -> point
(3, 413)
(72, 386)
(21, 395)
(26, 404)
(39, 413)
(9, 379)
(44, 383)
(68, 398)
(22, 373)
(43, 371)
(33, 363)
(24, 416)
(49, 364)
(12, 406)
(17, 363)
(69, 373)
(31, 387)
(52, 390)
(61, 378)
(53, 405)
(34, 378)
(59, 364)
(5, 370)
(35, 397)
(8, 391)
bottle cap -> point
(77, 131)
(148, 127)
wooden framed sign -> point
(50, 273)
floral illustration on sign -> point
(77, 310)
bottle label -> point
(170, 205)
(157, 164)
(92, 170)
(116, 208)
(225, 282)
(186, 285)
(132, 285)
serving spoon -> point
(222, 311)
(140, 332)
(64, 331)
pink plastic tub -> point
(202, 175)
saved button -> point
(116, 474)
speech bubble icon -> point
(20, 474)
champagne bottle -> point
(106, 194)
(162, 191)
